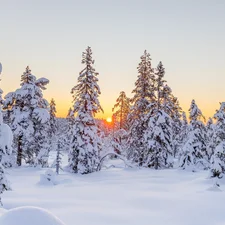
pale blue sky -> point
(187, 36)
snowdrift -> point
(29, 215)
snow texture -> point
(118, 196)
(49, 178)
(29, 215)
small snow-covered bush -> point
(49, 178)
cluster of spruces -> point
(149, 129)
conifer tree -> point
(183, 134)
(123, 106)
(217, 168)
(68, 130)
(58, 162)
(5, 149)
(52, 112)
(29, 116)
(210, 129)
(142, 103)
(159, 132)
(70, 121)
(176, 124)
(85, 146)
(161, 88)
(52, 133)
(194, 153)
(159, 139)
(167, 102)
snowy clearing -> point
(120, 196)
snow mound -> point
(29, 215)
(214, 188)
(2, 211)
(49, 178)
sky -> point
(188, 36)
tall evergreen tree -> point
(29, 116)
(194, 153)
(142, 103)
(123, 106)
(52, 112)
(5, 149)
(167, 102)
(183, 134)
(217, 168)
(84, 153)
(210, 130)
(159, 131)
(159, 139)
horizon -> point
(51, 36)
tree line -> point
(151, 130)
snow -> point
(2, 211)
(6, 138)
(29, 215)
(119, 196)
(49, 178)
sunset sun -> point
(109, 119)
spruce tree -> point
(58, 161)
(5, 149)
(52, 112)
(167, 102)
(194, 153)
(183, 134)
(123, 106)
(217, 168)
(70, 122)
(52, 133)
(85, 146)
(210, 130)
(159, 139)
(142, 103)
(159, 131)
(29, 116)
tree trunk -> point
(19, 151)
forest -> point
(148, 130)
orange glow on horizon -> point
(109, 120)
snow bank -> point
(2, 211)
(49, 178)
(29, 215)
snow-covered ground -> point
(119, 196)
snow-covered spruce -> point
(210, 130)
(85, 144)
(183, 134)
(217, 145)
(29, 117)
(5, 150)
(52, 131)
(52, 121)
(194, 154)
(217, 169)
(159, 138)
(121, 110)
(143, 101)
(167, 102)
(69, 129)
(58, 161)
